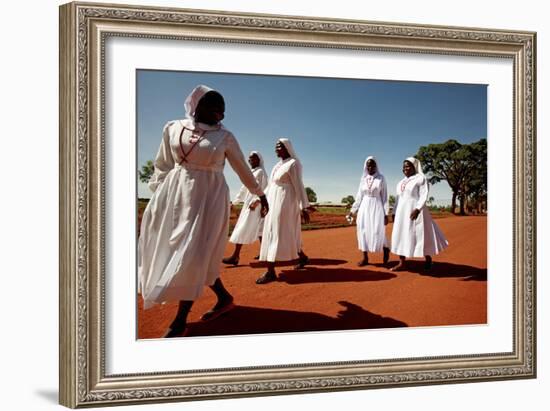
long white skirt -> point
(371, 232)
(247, 228)
(281, 235)
(183, 236)
(415, 238)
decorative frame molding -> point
(83, 30)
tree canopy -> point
(146, 171)
(462, 166)
(311, 195)
(348, 200)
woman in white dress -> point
(371, 211)
(248, 226)
(414, 233)
(282, 233)
(184, 227)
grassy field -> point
(323, 217)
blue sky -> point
(334, 124)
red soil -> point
(333, 293)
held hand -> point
(253, 205)
(305, 216)
(386, 220)
(265, 206)
(415, 214)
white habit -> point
(286, 195)
(247, 228)
(371, 205)
(185, 224)
(420, 237)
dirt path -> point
(333, 293)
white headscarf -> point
(261, 165)
(366, 173)
(290, 148)
(416, 163)
(193, 99)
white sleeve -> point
(296, 179)
(164, 161)
(358, 199)
(423, 191)
(236, 158)
(261, 178)
(384, 195)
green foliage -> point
(349, 200)
(391, 200)
(462, 166)
(146, 171)
(311, 196)
(332, 210)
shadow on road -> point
(255, 320)
(441, 269)
(332, 275)
(312, 261)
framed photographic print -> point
(260, 204)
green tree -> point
(146, 171)
(348, 200)
(391, 200)
(460, 165)
(311, 196)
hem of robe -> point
(376, 249)
(160, 295)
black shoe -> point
(176, 331)
(230, 261)
(428, 264)
(302, 263)
(268, 277)
(386, 255)
(363, 263)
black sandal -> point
(268, 277)
(363, 263)
(231, 261)
(176, 331)
(428, 263)
(386, 255)
(213, 313)
(302, 263)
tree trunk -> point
(453, 203)
(462, 203)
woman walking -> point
(371, 211)
(414, 233)
(248, 226)
(282, 235)
(184, 227)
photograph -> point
(260, 204)
(288, 204)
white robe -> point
(185, 224)
(420, 237)
(371, 205)
(286, 195)
(247, 228)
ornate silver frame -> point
(83, 30)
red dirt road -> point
(334, 294)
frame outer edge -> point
(68, 350)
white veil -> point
(261, 165)
(416, 163)
(193, 99)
